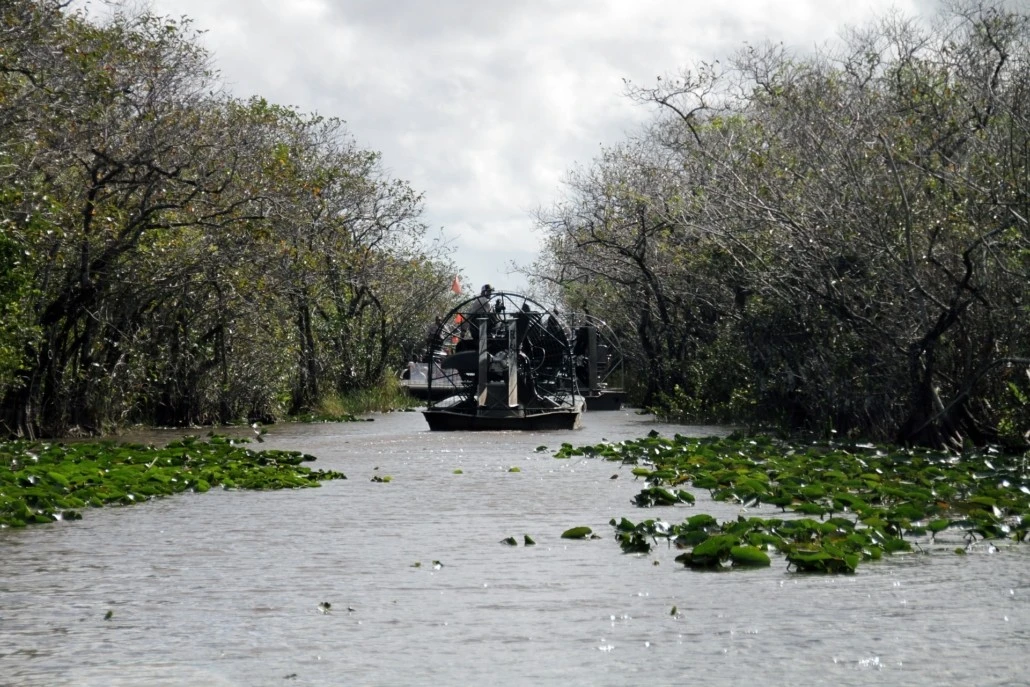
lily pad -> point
(863, 501)
(749, 556)
(47, 482)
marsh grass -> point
(388, 396)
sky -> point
(485, 106)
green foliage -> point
(1014, 412)
(635, 537)
(389, 395)
(169, 255)
(17, 328)
(44, 482)
(749, 557)
(867, 498)
(657, 496)
(840, 247)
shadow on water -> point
(228, 588)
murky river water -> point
(223, 588)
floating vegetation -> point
(458, 471)
(528, 540)
(514, 468)
(383, 478)
(43, 482)
(510, 541)
(657, 496)
(842, 504)
(326, 417)
(577, 533)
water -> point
(224, 588)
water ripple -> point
(224, 588)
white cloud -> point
(484, 106)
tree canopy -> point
(171, 254)
(836, 241)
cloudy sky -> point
(485, 105)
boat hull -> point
(606, 400)
(447, 420)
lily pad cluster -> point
(43, 482)
(842, 503)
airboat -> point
(501, 361)
(598, 361)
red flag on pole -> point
(456, 285)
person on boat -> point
(434, 332)
(482, 303)
(480, 306)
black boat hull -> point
(445, 420)
(606, 400)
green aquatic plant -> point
(638, 537)
(657, 496)
(749, 556)
(710, 553)
(581, 532)
(44, 482)
(842, 503)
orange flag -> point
(456, 285)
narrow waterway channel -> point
(224, 588)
